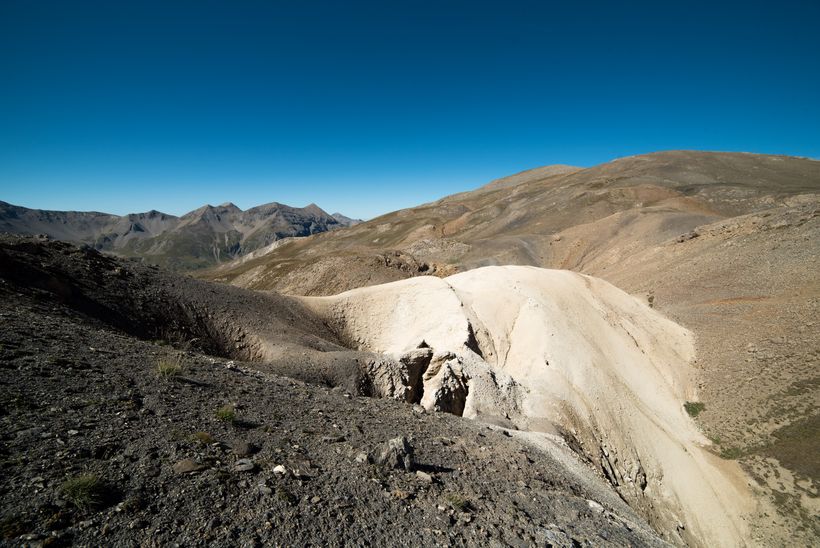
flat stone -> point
(244, 465)
(556, 538)
(187, 466)
(303, 469)
(424, 476)
(243, 448)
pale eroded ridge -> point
(558, 352)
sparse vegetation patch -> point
(226, 413)
(203, 437)
(457, 502)
(694, 408)
(731, 453)
(170, 366)
(85, 491)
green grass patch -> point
(170, 366)
(457, 502)
(797, 445)
(731, 453)
(694, 408)
(203, 437)
(226, 413)
(85, 491)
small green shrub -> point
(694, 408)
(226, 413)
(286, 496)
(84, 491)
(731, 453)
(170, 366)
(203, 437)
(457, 502)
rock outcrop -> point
(557, 352)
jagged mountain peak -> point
(200, 238)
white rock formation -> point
(559, 352)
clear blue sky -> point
(367, 107)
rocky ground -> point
(112, 437)
(749, 289)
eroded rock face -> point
(556, 352)
(387, 378)
(416, 363)
(445, 385)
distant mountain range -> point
(201, 238)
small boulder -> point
(303, 469)
(187, 466)
(396, 454)
(554, 537)
(424, 476)
(688, 236)
(243, 448)
(244, 465)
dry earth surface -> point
(140, 408)
(725, 244)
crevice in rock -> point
(463, 400)
(416, 363)
(472, 341)
(445, 385)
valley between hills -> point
(635, 343)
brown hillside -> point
(724, 243)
